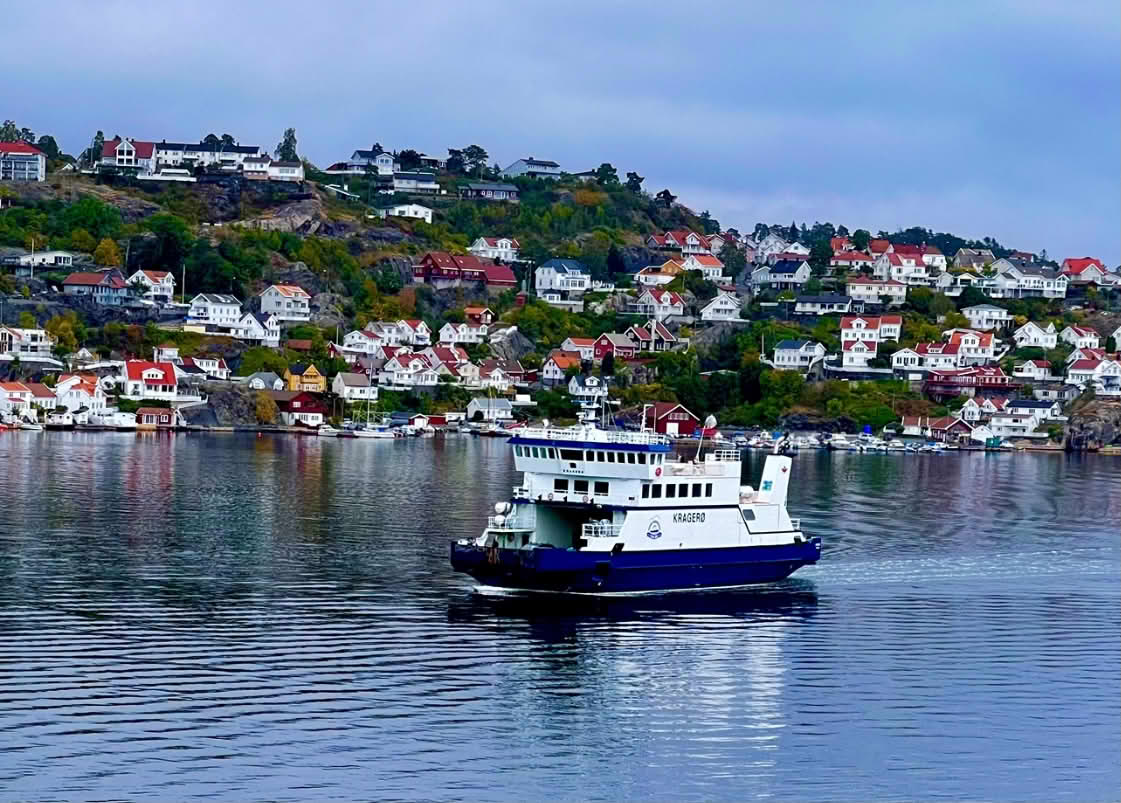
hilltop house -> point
(797, 355)
(258, 328)
(584, 346)
(25, 343)
(973, 258)
(904, 267)
(987, 316)
(288, 302)
(489, 191)
(534, 168)
(785, 274)
(828, 304)
(504, 248)
(563, 275)
(1035, 370)
(851, 260)
(215, 309)
(1080, 337)
(22, 161)
(159, 285)
(865, 290)
(587, 391)
(1020, 278)
(659, 303)
(556, 365)
(653, 336)
(861, 336)
(150, 380)
(657, 275)
(105, 287)
(352, 387)
(77, 391)
(441, 269)
(410, 210)
(619, 344)
(454, 334)
(1084, 270)
(706, 264)
(723, 307)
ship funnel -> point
(776, 479)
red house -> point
(623, 347)
(670, 418)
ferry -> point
(603, 512)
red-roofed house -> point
(709, 266)
(128, 154)
(1081, 337)
(155, 418)
(105, 287)
(441, 269)
(1083, 270)
(150, 380)
(976, 348)
(879, 246)
(857, 353)
(873, 291)
(840, 244)
(77, 391)
(22, 161)
(907, 268)
(655, 337)
(947, 383)
(504, 248)
(287, 302)
(660, 303)
(939, 355)
(856, 260)
(584, 346)
(1037, 370)
(1104, 376)
(669, 418)
(17, 395)
(556, 364)
(159, 285)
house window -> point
(580, 486)
(560, 485)
(600, 489)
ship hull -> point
(571, 571)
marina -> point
(192, 614)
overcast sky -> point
(979, 118)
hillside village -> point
(223, 284)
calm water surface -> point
(231, 617)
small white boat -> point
(895, 445)
(372, 432)
(31, 426)
(327, 431)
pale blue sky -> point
(980, 118)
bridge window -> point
(517, 451)
(600, 489)
(601, 457)
(571, 454)
(560, 485)
(656, 491)
(610, 457)
(696, 489)
(552, 453)
(708, 489)
(642, 459)
(630, 458)
(590, 455)
(580, 486)
(535, 451)
(683, 490)
(671, 491)
(645, 491)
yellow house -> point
(305, 377)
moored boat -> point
(617, 512)
(60, 419)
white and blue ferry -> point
(606, 512)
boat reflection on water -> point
(793, 599)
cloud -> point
(996, 119)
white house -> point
(259, 328)
(1035, 370)
(976, 348)
(535, 168)
(906, 268)
(105, 286)
(22, 161)
(935, 356)
(987, 316)
(353, 387)
(408, 370)
(584, 346)
(786, 274)
(857, 353)
(771, 244)
(706, 264)
(1081, 337)
(288, 302)
(1020, 423)
(1104, 376)
(1042, 410)
(52, 260)
(490, 409)
(18, 342)
(1018, 278)
(75, 391)
(589, 391)
(871, 328)
(797, 355)
(660, 303)
(414, 211)
(1032, 334)
(215, 309)
(564, 275)
(828, 304)
(214, 367)
(414, 332)
(866, 290)
(556, 365)
(149, 380)
(503, 248)
(159, 285)
(723, 307)
(979, 408)
(286, 171)
(455, 334)
(264, 380)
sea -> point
(231, 617)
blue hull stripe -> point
(661, 570)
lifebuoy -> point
(657, 472)
(586, 500)
(550, 497)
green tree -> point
(286, 148)
(606, 175)
(265, 408)
(211, 139)
(607, 367)
(634, 182)
(1111, 344)
(860, 239)
(27, 320)
(666, 198)
(93, 152)
(228, 140)
(409, 159)
(821, 254)
(940, 305)
(48, 146)
(475, 159)
(82, 240)
(920, 298)
(107, 253)
(733, 258)
(173, 241)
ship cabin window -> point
(630, 458)
(642, 459)
(534, 451)
(610, 457)
(645, 491)
(696, 489)
(589, 455)
(683, 490)
(517, 451)
(656, 491)
(671, 491)
(570, 454)
(749, 515)
(552, 453)
(708, 489)
(560, 485)
(580, 486)
(600, 489)
(601, 457)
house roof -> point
(707, 260)
(499, 274)
(787, 266)
(586, 342)
(984, 339)
(156, 411)
(155, 275)
(352, 380)
(268, 377)
(879, 245)
(928, 349)
(865, 280)
(491, 185)
(1033, 404)
(483, 403)
(299, 368)
(529, 160)
(39, 390)
(618, 340)
(850, 345)
(493, 241)
(291, 290)
(1084, 365)
(851, 256)
(565, 265)
(19, 147)
(216, 298)
(1082, 331)
(947, 422)
(135, 370)
(665, 296)
(143, 149)
(985, 308)
(797, 345)
(110, 278)
(824, 299)
(1077, 265)
(298, 345)
(660, 410)
(564, 359)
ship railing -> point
(594, 435)
(521, 492)
(504, 523)
(723, 456)
(691, 469)
(796, 524)
(600, 529)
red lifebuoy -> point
(657, 472)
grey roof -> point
(415, 175)
(582, 381)
(491, 404)
(985, 307)
(529, 160)
(491, 185)
(565, 265)
(352, 380)
(364, 154)
(1035, 404)
(824, 299)
(204, 147)
(218, 298)
(1033, 268)
(617, 339)
(787, 266)
(792, 344)
(262, 318)
(268, 377)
